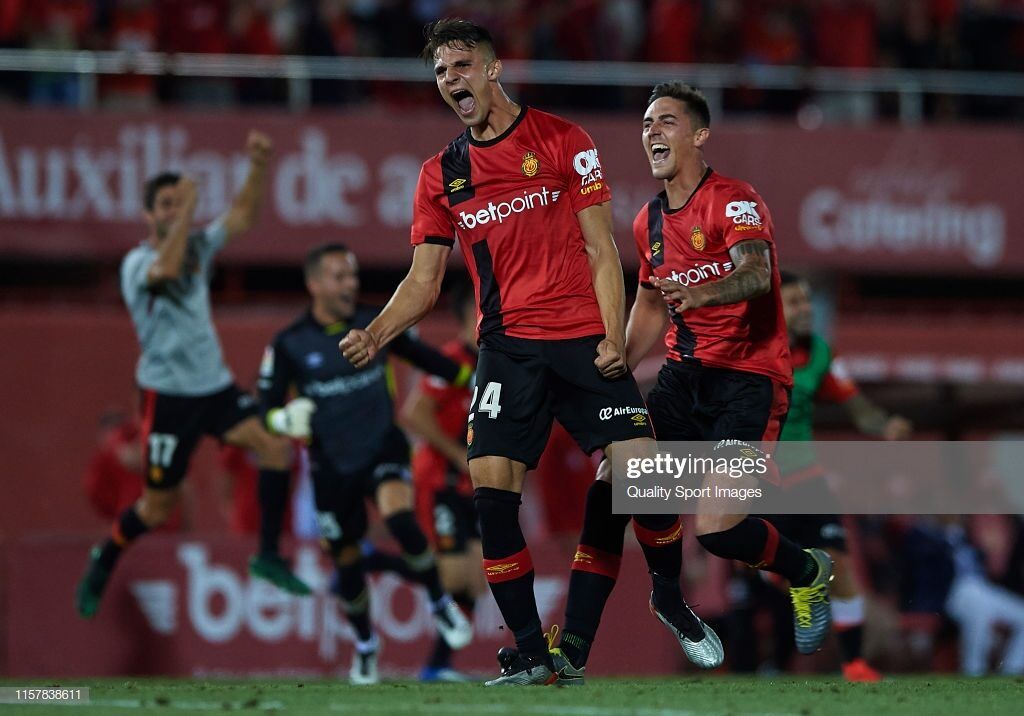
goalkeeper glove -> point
(294, 419)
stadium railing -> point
(910, 86)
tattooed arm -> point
(751, 278)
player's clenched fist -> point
(358, 347)
(678, 296)
(610, 361)
(259, 147)
(188, 192)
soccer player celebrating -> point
(816, 377)
(187, 389)
(706, 250)
(524, 192)
(437, 412)
(356, 451)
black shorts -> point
(698, 403)
(340, 497)
(823, 531)
(521, 384)
(173, 424)
(448, 519)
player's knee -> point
(274, 452)
(406, 531)
(707, 524)
(156, 507)
(394, 496)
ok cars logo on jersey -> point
(743, 213)
(503, 210)
(588, 166)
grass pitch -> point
(683, 696)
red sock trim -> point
(658, 538)
(512, 567)
(597, 561)
(771, 545)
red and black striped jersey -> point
(512, 203)
(691, 245)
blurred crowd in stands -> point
(934, 34)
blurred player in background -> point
(707, 251)
(524, 192)
(188, 391)
(437, 412)
(356, 451)
(114, 478)
(817, 377)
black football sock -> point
(850, 640)
(759, 544)
(848, 622)
(128, 527)
(661, 539)
(595, 568)
(350, 587)
(466, 602)
(273, 496)
(376, 561)
(508, 567)
(441, 656)
(416, 551)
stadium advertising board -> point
(187, 607)
(880, 199)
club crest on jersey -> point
(531, 165)
(697, 238)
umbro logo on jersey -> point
(743, 212)
(457, 185)
(314, 360)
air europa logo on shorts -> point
(609, 413)
(503, 210)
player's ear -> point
(494, 70)
(702, 136)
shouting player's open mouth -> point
(659, 153)
(465, 102)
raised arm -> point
(606, 271)
(170, 258)
(872, 419)
(646, 324)
(751, 277)
(245, 207)
(413, 299)
(424, 356)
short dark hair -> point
(454, 31)
(312, 263)
(461, 295)
(787, 278)
(155, 184)
(695, 101)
